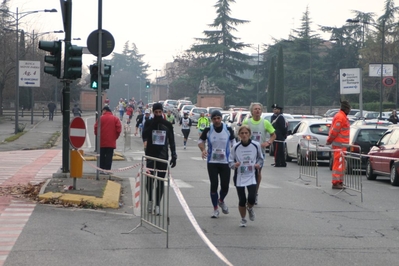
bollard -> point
(43, 111)
(76, 165)
(22, 112)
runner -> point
(246, 158)
(202, 123)
(260, 129)
(220, 138)
(185, 123)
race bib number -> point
(158, 137)
(218, 155)
(256, 136)
(246, 167)
(202, 126)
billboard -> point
(350, 80)
(375, 70)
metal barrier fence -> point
(127, 134)
(353, 169)
(154, 195)
(307, 159)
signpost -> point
(77, 137)
(77, 132)
(29, 73)
(351, 83)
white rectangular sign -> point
(375, 70)
(29, 73)
(350, 80)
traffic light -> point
(105, 77)
(73, 61)
(147, 84)
(54, 58)
(94, 76)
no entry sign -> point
(77, 132)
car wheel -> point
(394, 176)
(287, 157)
(299, 157)
(369, 172)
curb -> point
(110, 197)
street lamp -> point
(257, 74)
(156, 78)
(382, 30)
(128, 91)
(138, 77)
(17, 16)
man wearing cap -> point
(202, 123)
(220, 139)
(110, 130)
(158, 135)
(338, 137)
(280, 125)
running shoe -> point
(251, 213)
(224, 207)
(157, 212)
(215, 214)
(149, 207)
(256, 199)
(184, 146)
(243, 223)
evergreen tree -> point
(219, 54)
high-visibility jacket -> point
(338, 136)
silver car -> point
(195, 113)
(303, 139)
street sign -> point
(29, 73)
(375, 70)
(77, 132)
(107, 42)
(389, 81)
(350, 80)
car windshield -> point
(320, 129)
(370, 135)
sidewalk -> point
(37, 156)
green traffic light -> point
(94, 85)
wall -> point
(210, 100)
(88, 100)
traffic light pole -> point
(66, 92)
(99, 89)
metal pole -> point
(382, 63)
(99, 89)
(16, 73)
(31, 88)
(310, 76)
(257, 74)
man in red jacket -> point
(110, 130)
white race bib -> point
(158, 137)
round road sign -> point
(389, 81)
(107, 43)
(77, 132)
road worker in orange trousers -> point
(338, 137)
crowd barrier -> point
(127, 136)
(307, 159)
(353, 170)
(154, 196)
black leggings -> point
(159, 185)
(242, 198)
(185, 132)
(214, 171)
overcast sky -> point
(164, 28)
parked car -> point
(385, 115)
(367, 115)
(267, 116)
(371, 122)
(181, 103)
(382, 157)
(291, 125)
(306, 116)
(209, 110)
(237, 122)
(364, 136)
(185, 109)
(331, 112)
(169, 105)
(312, 130)
(195, 113)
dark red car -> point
(382, 157)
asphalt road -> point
(296, 223)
